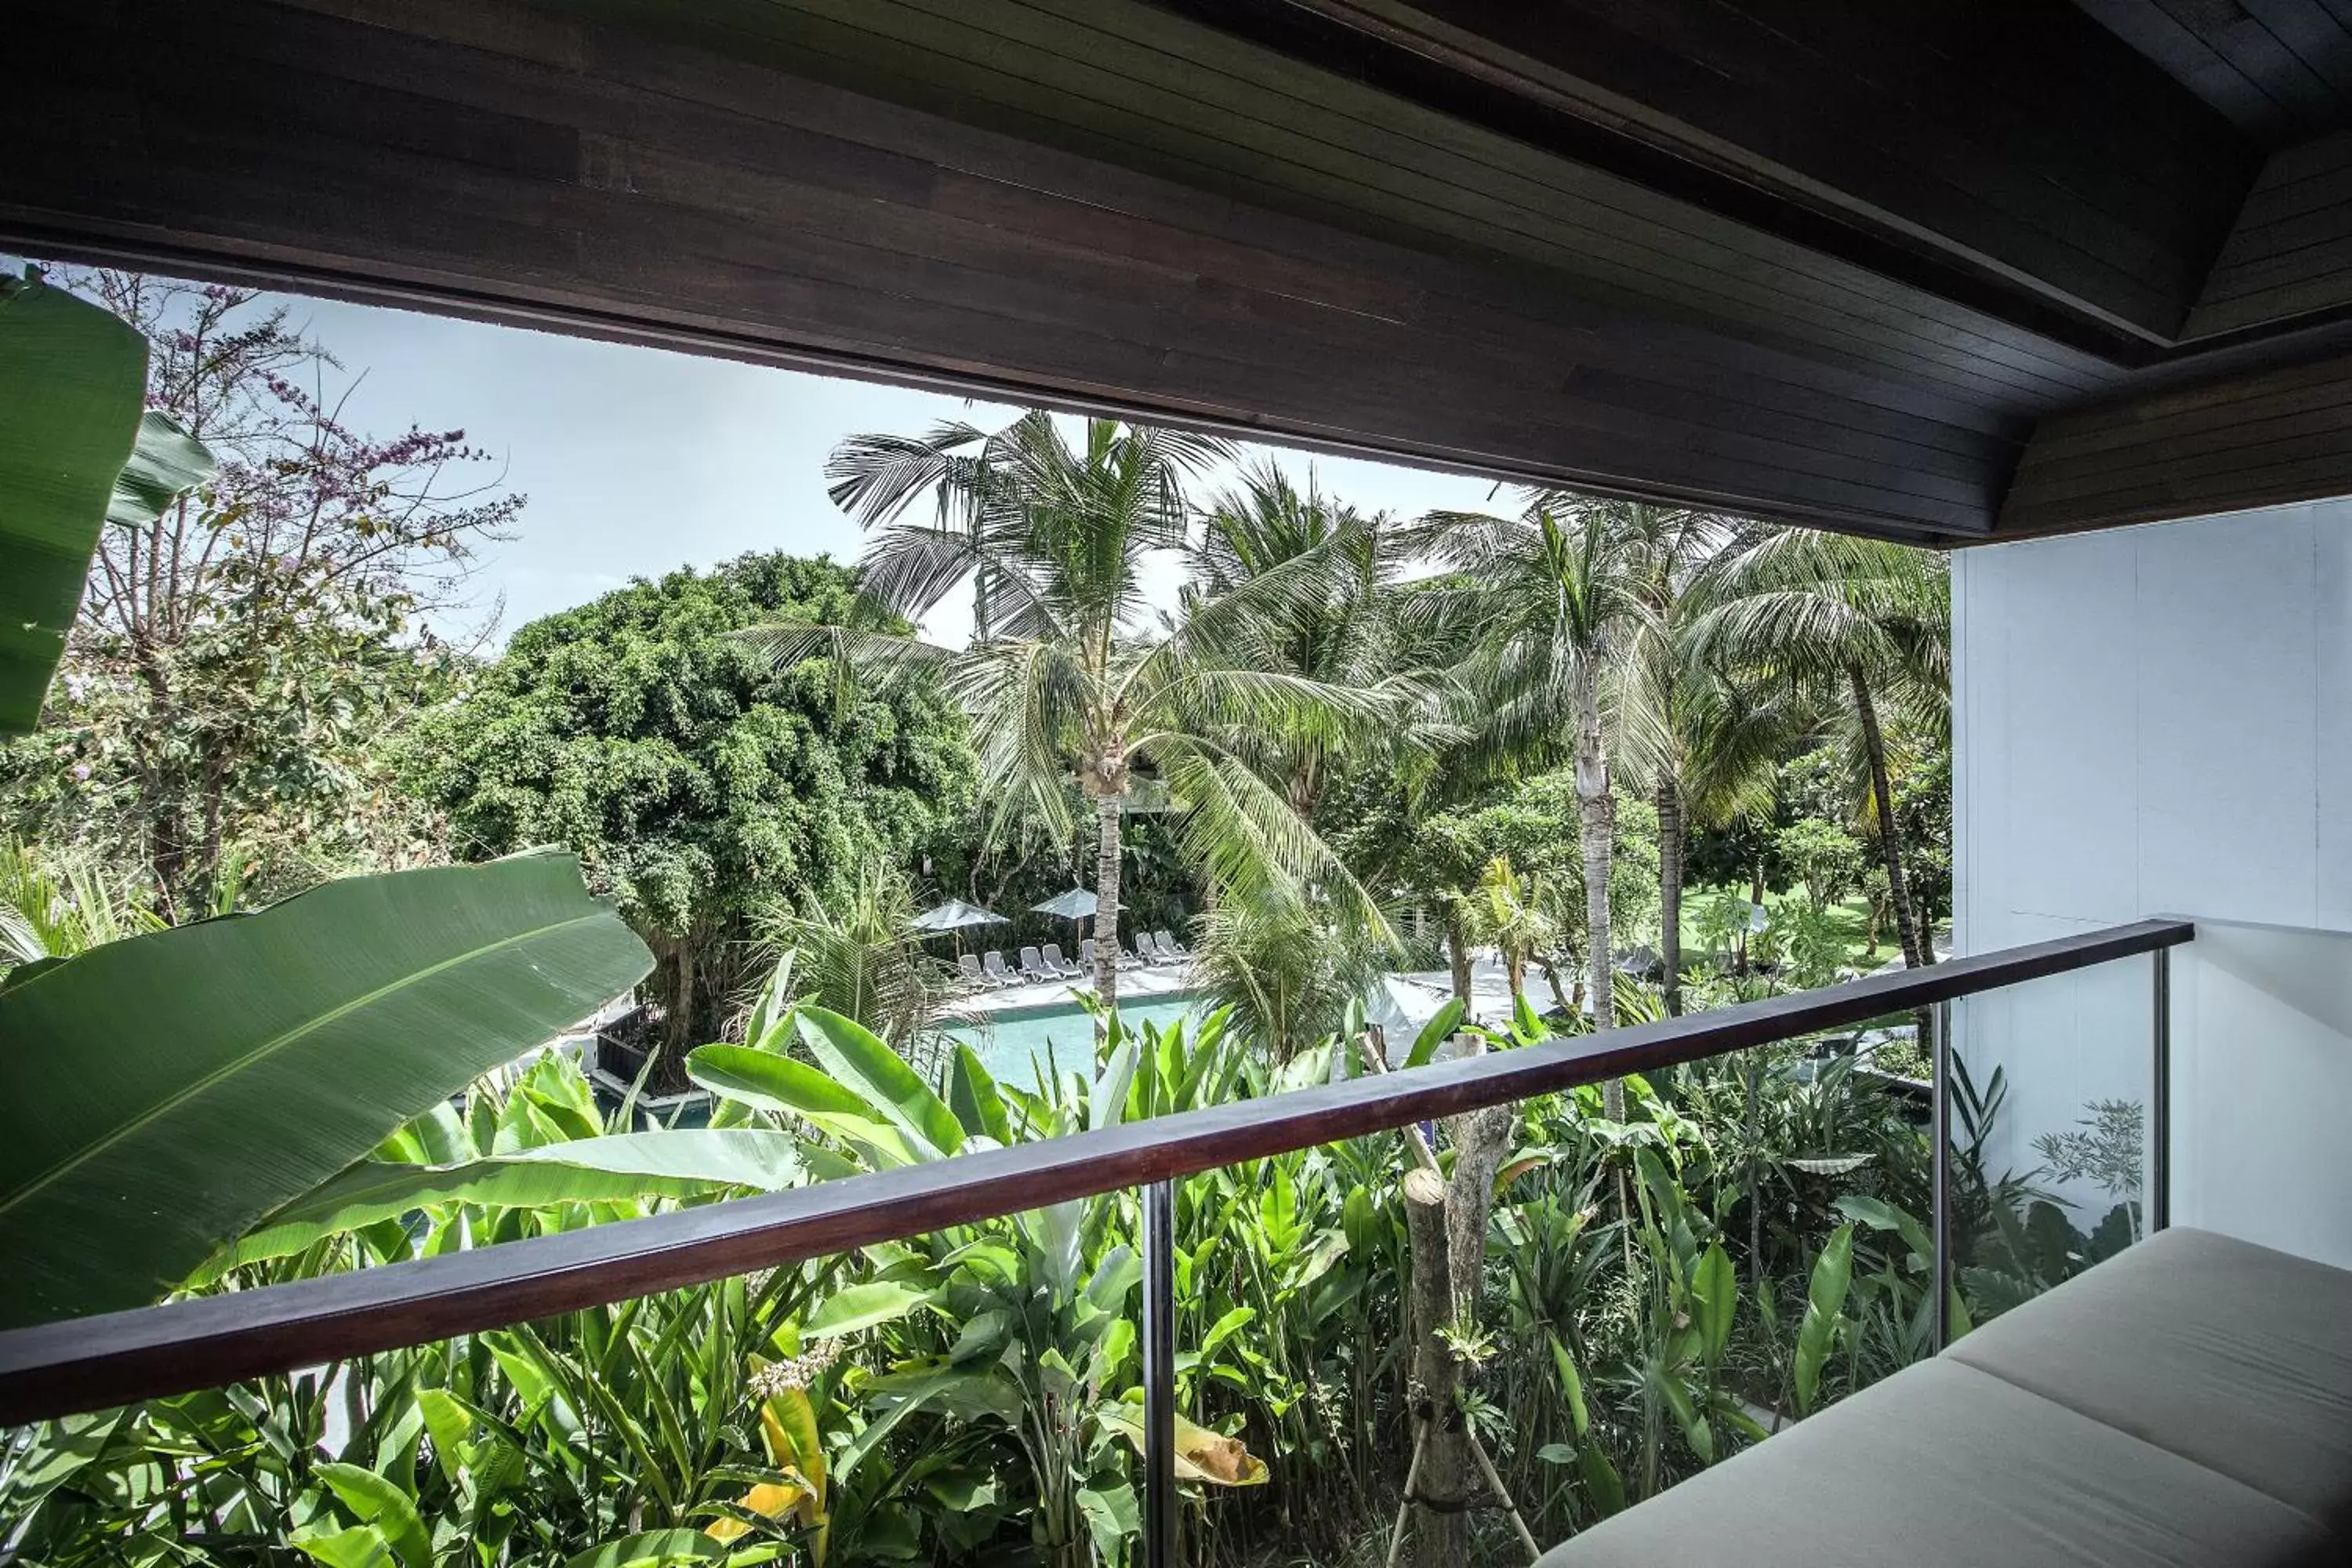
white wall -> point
(2159, 721)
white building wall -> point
(2159, 721)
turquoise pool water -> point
(1012, 1046)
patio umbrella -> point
(1075, 905)
(956, 916)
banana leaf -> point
(682, 1164)
(1209, 1457)
(73, 380)
(765, 1080)
(159, 1095)
(861, 1061)
(73, 374)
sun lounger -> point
(968, 966)
(1033, 967)
(993, 967)
(1168, 947)
(1061, 966)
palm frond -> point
(1253, 846)
(875, 477)
(1032, 704)
(860, 660)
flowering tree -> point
(240, 660)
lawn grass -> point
(1854, 914)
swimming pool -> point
(1011, 1044)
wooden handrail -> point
(99, 1361)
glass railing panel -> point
(1640, 1302)
(2052, 1103)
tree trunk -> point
(1559, 992)
(1918, 948)
(679, 1024)
(1598, 813)
(983, 619)
(1441, 1458)
(1457, 956)
(167, 849)
(1107, 900)
(1446, 1223)
(1670, 890)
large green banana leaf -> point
(681, 1163)
(159, 1095)
(73, 380)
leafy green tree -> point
(696, 779)
(1064, 683)
(1435, 856)
(1824, 855)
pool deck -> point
(1160, 980)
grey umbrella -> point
(955, 915)
(1075, 905)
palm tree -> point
(1064, 689)
(1357, 637)
(1558, 596)
(1675, 745)
(860, 956)
(1853, 624)
(1515, 914)
(1706, 749)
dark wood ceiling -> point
(1950, 270)
(2280, 70)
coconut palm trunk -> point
(1107, 848)
(1917, 946)
(1598, 820)
(1670, 890)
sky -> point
(639, 460)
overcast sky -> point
(639, 460)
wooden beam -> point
(98, 1363)
(2255, 437)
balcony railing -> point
(98, 1362)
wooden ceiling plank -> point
(1635, 249)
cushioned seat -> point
(2188, 1403)
(2231, 1355)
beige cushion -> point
(2185, 1406)
(2231, 1355)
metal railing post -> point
(1940, 1026)
(2160, 1175)
(1159, 1375)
